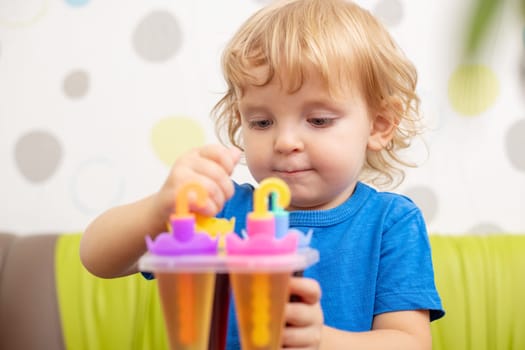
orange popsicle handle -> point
(182, 205)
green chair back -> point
(121, 313)
(481, 280)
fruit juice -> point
(260, 298)
(220, 308)
(186, 300)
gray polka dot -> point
(515, 142)
(157, 37)
(76, 84)
(484, 228)
(426, 200)
(389, 11)
(37, 155)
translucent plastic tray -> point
(231, 263)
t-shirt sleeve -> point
(406, 275)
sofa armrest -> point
(29, 317)
(6, 239)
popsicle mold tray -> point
(187, 258)
(200, 244)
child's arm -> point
(113, 242)
(402, 330)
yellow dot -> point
(174, 136)
(472, 89)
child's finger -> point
(298, 315)
(306, 289)
(213, 170)
(225, 157)
(300, 338)
(215, 200)
(212, 177)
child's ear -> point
(384, 125)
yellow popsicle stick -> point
(261, 310)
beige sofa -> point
(29, 316)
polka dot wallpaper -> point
(97, 99)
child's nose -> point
(287, 141)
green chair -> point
(481, 280)
(49, 301)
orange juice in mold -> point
(262, 290)
(259, 301)
(186, 264)
(186, 295)
(186, 300)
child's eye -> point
(260, 124)
(321, 122)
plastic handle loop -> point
(267, 186)
(182, 205)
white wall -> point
(98, 97)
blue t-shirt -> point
(374, 257)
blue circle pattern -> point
(77, 3)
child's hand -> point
(304, 319)
(211, 166)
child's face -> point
(315, 143)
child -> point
(320, 96)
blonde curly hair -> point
(343, 43)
